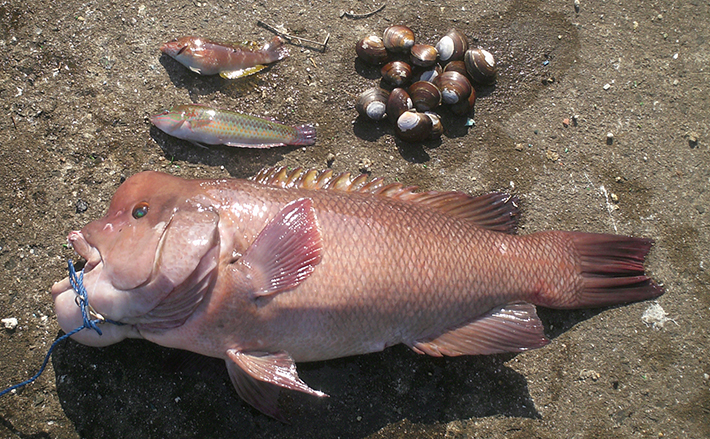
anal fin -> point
(253, 145)
(510, 328)
(234, 74)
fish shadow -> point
(239, 162)
(138, 389)
(203, 85)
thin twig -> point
(298, 41)
(355, 16)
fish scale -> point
(233, 125)
(304, 266)
(366, 303)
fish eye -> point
(140, 210)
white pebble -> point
(655, 316)
(10, 323)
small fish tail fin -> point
(610, 271)
(305, 135)
(276, 49)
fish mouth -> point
(172, 48)
(84, 249)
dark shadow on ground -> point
(137, 389)
(200, 85)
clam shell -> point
(425, 95)
(437, 128)
(413, 127)
(429, 74)
(398, 102)
(457, 66)
(454, 87)
(371, 49)
(398, 38)
(372, 103)
(452, 46)
(481, 65)
(423, 55)
(397, 73)
(463, 107)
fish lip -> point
(172, 48)
(82, 247)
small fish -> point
(230, 60)
(303, 265)
(210, 126)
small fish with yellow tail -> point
(230, 60)
(203, 125)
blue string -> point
(77, 282)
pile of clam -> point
(421, 77)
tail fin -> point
(305, 135)
(276, 49)
(611, 270)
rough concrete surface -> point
(79, 79)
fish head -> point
(170, 120)
(180, 119)
(184, 46)
(149, 260)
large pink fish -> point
(230, 60)
(305, 266)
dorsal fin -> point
(494, 211)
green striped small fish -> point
(200, 124)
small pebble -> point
(586, 374)
(329, 159)
(364, 165)
(565, 122)
(81, 206)
(656, 317)
(609, 138)
(693, 139)
(576, 5)
(10, 323)
(607, 86)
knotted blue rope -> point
(82, 300)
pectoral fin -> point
(258, 376)
(234, 74)
(511, 328)
(285, 253)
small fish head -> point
(142, 251)
(171, 120)
(182, 46)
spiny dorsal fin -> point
(494, 211)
